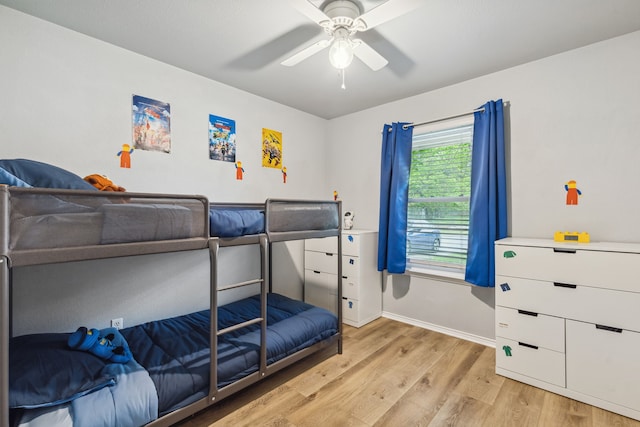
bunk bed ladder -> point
(5, 334)
(214, 247)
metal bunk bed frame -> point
(9, 260)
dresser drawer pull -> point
(564, 251)
(524, 344)
(564, 285)
(345, 277)
(609, 328)
(528, 313)
(328, 254)
(316, 271)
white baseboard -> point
(447, 331)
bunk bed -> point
(254, 337)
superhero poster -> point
(271, 149)
(151, 124)
(222, 139)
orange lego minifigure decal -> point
(239, 171)
(125, 156)
(572, 192)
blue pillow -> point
(9, 179)
(38, 174)
(43, 371)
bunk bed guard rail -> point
(41, 225)
(302, 219)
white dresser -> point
(361, 282)
(568, 319)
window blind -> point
(439, 188)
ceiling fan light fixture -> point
(341, 50)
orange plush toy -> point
(102, 183)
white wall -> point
(571, 116)
(66, 100)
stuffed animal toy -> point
(108, 344)
(348, 220)
(103, 183)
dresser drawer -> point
(351, 243)
(596, 305)
(325, 244)
(351, 267)
(350, 288)
(350, 311)
(321, 289)
(610, 270)
(321, 261)
(604, 363)
(537, 329)
(539, 363)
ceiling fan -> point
(341, 20)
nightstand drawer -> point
(525, 359)
(321, 261)
(596, 305)
(533, 328)
(566, 264)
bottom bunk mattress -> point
(173, 353)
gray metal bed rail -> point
(28, 256)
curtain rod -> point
(478, 110)
(457, 116)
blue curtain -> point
(394, 195)
(488, 202)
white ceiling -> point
(242, 42)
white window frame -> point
(414, 267)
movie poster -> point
(151, 124)
(222, 139)
(271, 149)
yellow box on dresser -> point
(567, 319)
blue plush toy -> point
(108, 344)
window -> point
(439, 189)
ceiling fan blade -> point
(387, 11)
(309, 10)
(306, 52)
(373, 59)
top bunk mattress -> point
(35, 219)
(281, 219)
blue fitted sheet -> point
(175, 351)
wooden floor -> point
(394, 374)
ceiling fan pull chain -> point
(343, 72)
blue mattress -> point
(235, 222)
(175, 351)
(171, 359)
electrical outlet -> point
(117, 323)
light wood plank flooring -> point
(394, 374)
